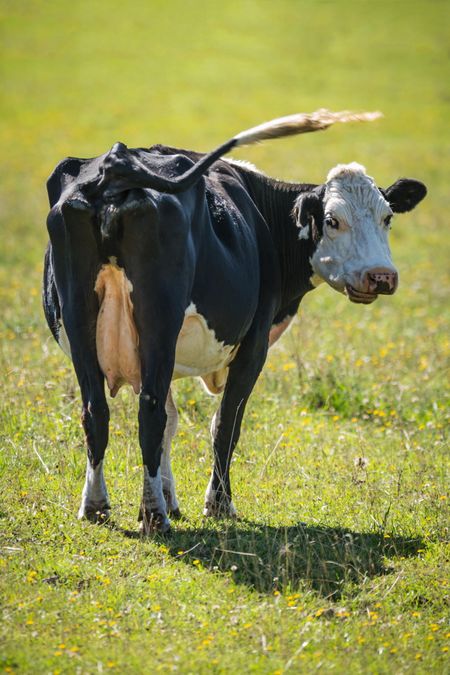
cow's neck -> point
(275, 200)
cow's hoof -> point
(154, 523)
(221, 509)
(172, 505)
(95, 514)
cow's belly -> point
(198, 351)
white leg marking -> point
(217, 509)
(94, 499)
(213, 426)
(168, 480)
(154, 514)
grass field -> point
(339, 562)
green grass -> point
(339, 561)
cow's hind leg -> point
(168, 480)
(153, 260)
(157, 353)
(152, 422)
(95, 505)
(75, 263)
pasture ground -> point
(339, 561)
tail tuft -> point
(301, 123)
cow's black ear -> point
(405, 194)
(308, 214)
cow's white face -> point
(350, 222)
(355, 235)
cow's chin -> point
(359, 297)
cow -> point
(165, 263)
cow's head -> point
(349, 219)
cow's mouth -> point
(360, 296)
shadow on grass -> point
(267, 558)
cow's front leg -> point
(218, 500)
(168, 480)
(226, 424)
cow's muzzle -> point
(381, 280)
(374, 282)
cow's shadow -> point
(267, 558)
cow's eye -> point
(332, 222)
(387, 220)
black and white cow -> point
(165, 263)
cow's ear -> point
(405, 194)
(308, 214)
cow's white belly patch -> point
(198, 352)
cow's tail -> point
(122, 170)
(302, 123)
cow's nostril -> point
(382, 281)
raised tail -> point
(122, 170)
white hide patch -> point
(350, 192)
(347, 170)
(360, 242)
(213, 508)
(168, 481)
(153, 502)
(63, 340)
(153, 493)
(198, 352)
(95, 496)
(243, 163)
